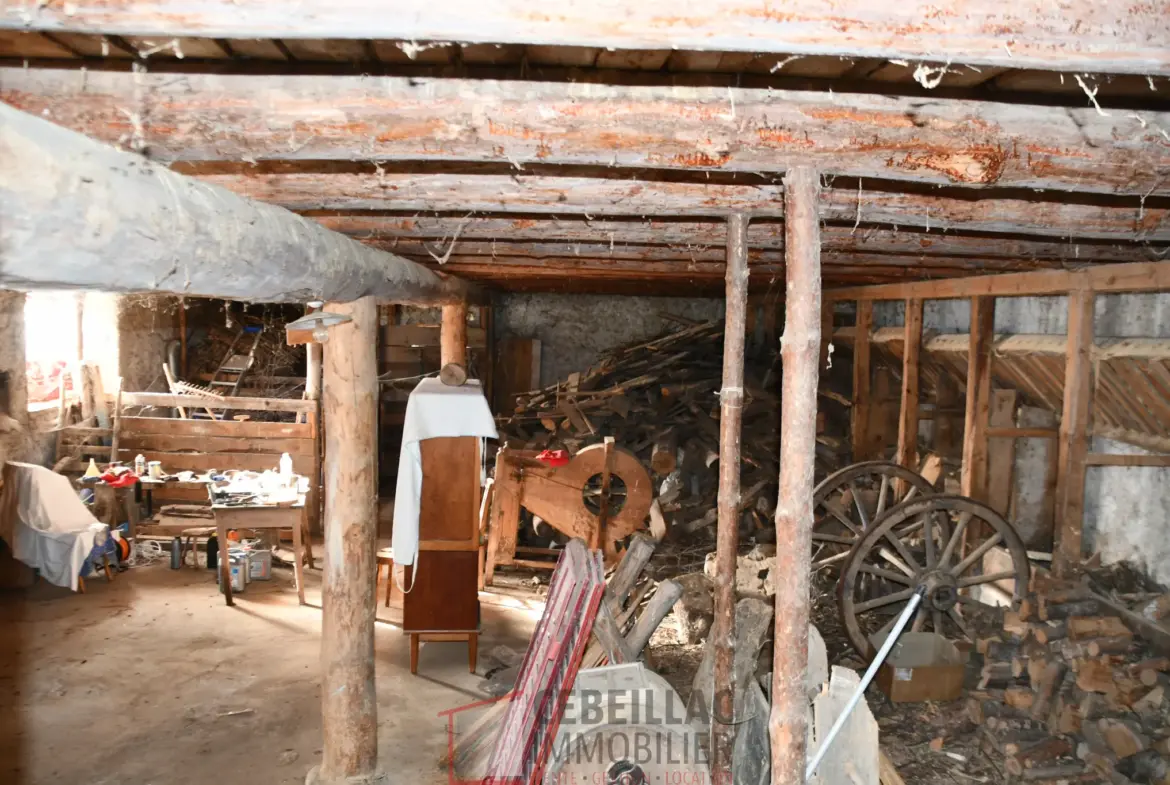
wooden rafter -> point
(203, 117)
(1120, 37)
(700, 234)
(593, 197)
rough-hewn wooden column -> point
(348, 702)
(798, 423)
(1074, 430)
(453, 335)
(724, 717)
(907, 454)
(973, 476)
(862, 378)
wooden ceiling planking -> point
(211, 117)
(15, 44)
(595, 197)
(762, 234)
(1126, 36)
(178, 47)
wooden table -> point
(256, 516)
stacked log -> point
(659, 399)
(1069, 693)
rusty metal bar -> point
(799, 350)
(727, 537)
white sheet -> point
(434, 410)
(54, 531)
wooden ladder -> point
(231, 371)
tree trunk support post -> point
(348, 700)
(725, 716)
(1073, 443)
(787, 726)
(453, 335)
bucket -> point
(260, 565)
(238, 567)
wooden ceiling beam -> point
(78, 214)
(592, 198)
(1137, 277)
(204, 117)
(1127, 36)
(605, 234)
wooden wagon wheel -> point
(847, 502)
(937, 543)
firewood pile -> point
(660, 400)
(1075, 687)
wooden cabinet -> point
(444, 595)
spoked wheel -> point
(938, 543)
(847, 502)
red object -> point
(123, 480)
(554, 458)
(549, 669)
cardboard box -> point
(922, 667)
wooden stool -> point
(472, 639)
(385, 556)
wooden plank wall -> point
(200, 445)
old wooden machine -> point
(602, 495)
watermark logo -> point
(605, 737)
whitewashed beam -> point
(216, 117)
(592, 198)
(78, 214)
(1125, 36)
(684, 236)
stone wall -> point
(574, 329)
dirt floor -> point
(151, 679)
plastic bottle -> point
(176, 553)
(286, 468)
(140, 464)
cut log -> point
(1019, 698)
(1046, 687)
(663, 458)
(1082, 627)
(1049, 611)
(1123, 736)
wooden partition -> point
(200, 445)
(1078, 379)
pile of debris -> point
(659, 399)
(1070, 693)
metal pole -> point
(887, 645)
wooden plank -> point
(862, 378)
(165, 400)
(214, 444)
(1007, 432)
(973, 477)
(1083, 35)
(567, 197)
(1074, 427)
(416, 336)
(1135, 277)
(547, 235)
(249, 429)
(1108, 459)
(1001, 452)
(234, 239)
(907, 454)
(610, 125)
(174, 462)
